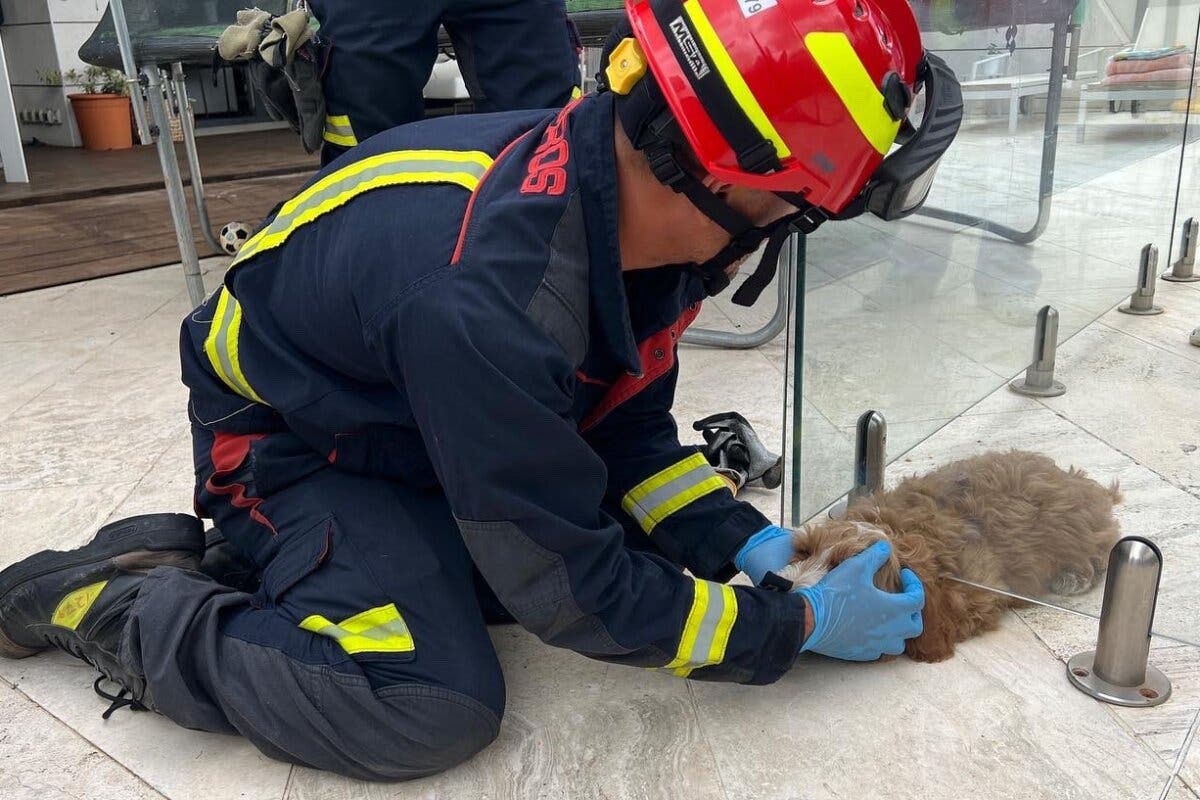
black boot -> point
(79, 600)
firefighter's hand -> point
(769, 550)
(853, 619)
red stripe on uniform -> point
(229, 452)
(628, 386)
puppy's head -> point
(821, 547)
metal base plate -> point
(1156, 689)
(1021, 387)
(1149, 312)
(1189, 279)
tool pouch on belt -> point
(286, 66)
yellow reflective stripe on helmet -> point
(338, 130)
(72, 608)
(665, 492)
(706, 631)
(221, 346)
(376, 630)
(733, 78)
(845, 72)
(461, 167)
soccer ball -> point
(233, 236)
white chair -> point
(991, 79)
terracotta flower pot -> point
(103, 120)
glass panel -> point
(1046, 198)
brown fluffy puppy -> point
(1012, 521)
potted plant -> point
(102, 109)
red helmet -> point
(805, 98)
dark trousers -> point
(365, 650)
(513, 54)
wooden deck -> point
(85, 215)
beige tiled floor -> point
(921, 321)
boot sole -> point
(136, 543)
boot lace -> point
(122, 699)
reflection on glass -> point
(1073, 146)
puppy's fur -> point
(1011, 521)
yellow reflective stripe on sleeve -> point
(221, 346)
(733, 78)
(72, 608)
(707, 629)
(576, 92)
(338, 130)
(845, 72)
(665, 492)
(376, 630)
(464, 168)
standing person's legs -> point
(381, 55)
(514, 53)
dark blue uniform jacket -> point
(444, 306)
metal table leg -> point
(1058, 59)
(790, 261)
(179, 87)
(156, 93)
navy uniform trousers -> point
(231, 662)
(513, 54)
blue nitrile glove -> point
(769, 550)
(855, 621)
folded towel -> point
(1178, 61)
(1130, 54)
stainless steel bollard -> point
(1184, 269)
(1118, 670)
(870, 457)
(1141, 302)
(1039, 377)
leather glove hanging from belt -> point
(286, 64)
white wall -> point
(41, 36)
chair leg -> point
(156, 93)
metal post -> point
(791, 260)
(1039, 377)
(1141, 302)
(175, 198)
(179, 86)
(125, 45)
(870, 457)
(1118, 670)
(1183, 271)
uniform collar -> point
(613, 342)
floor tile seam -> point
(92, 744)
